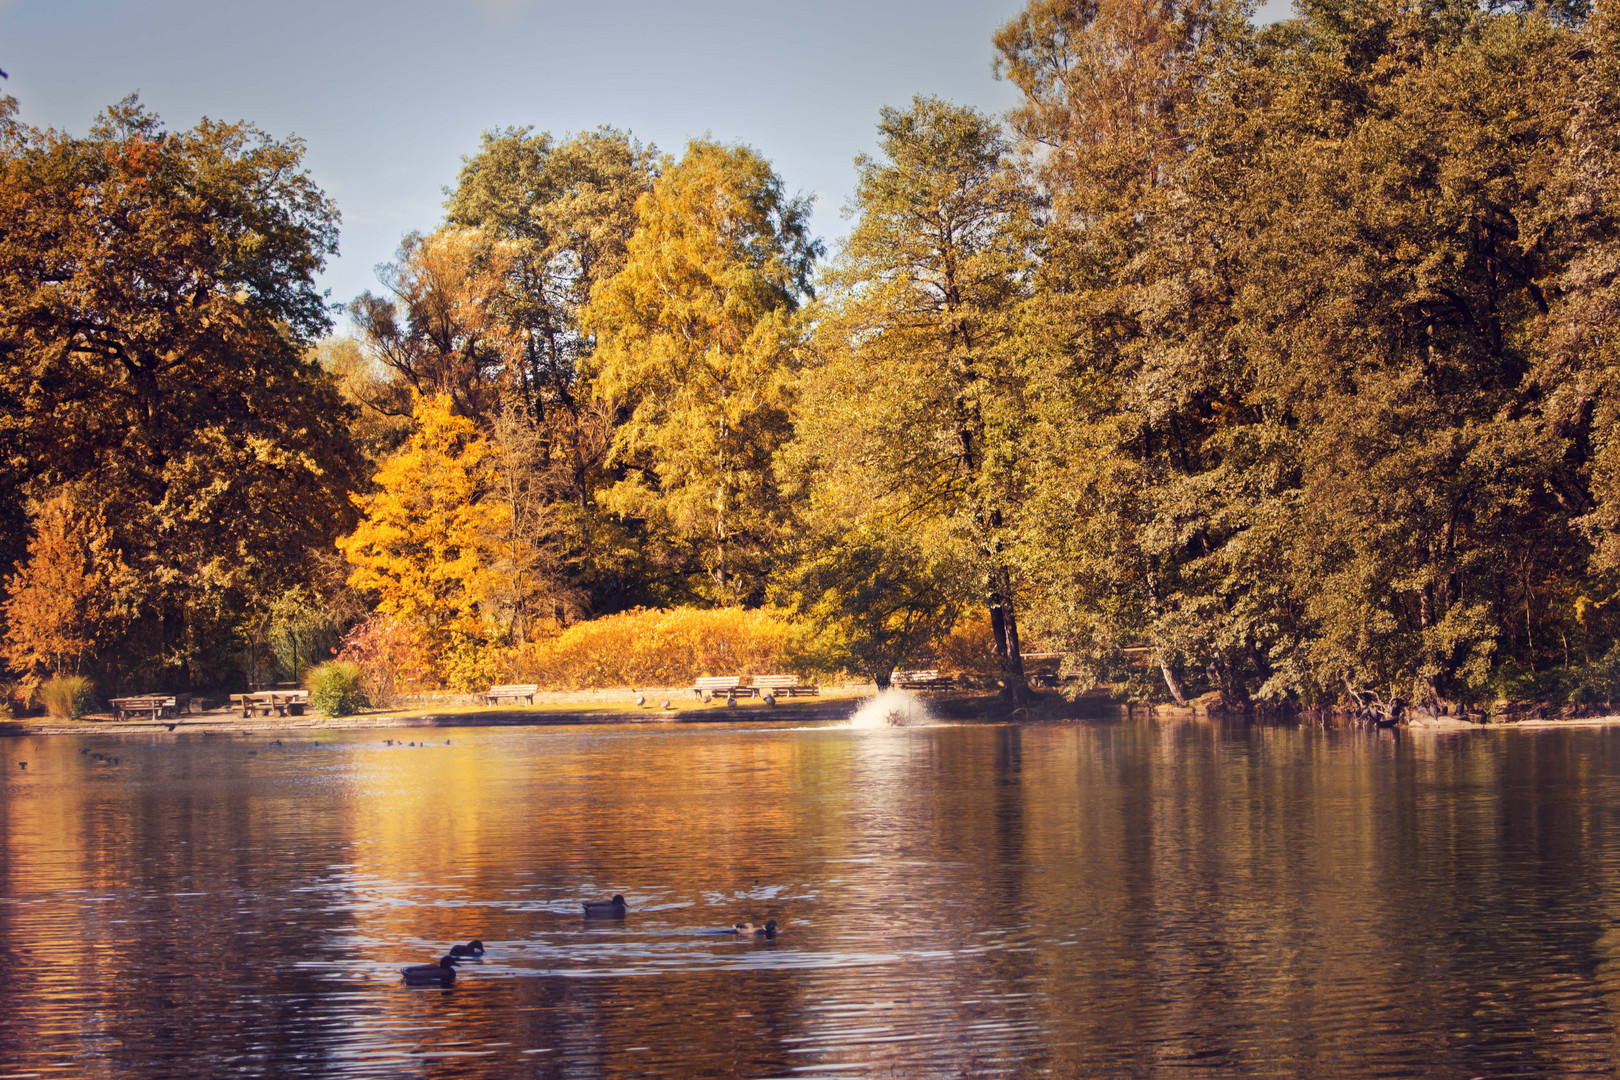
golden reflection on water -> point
(1137, 898)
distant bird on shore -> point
(606, 909)
(748, 929)
(443, 973)
(472, 948)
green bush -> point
(68, 697)
(336, 689)
(1596, 682)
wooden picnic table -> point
(272, 702)
(159, 705)
(925, 679)
(783, 686)
(710, 686)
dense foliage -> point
(1269, 361)
(156, 301)
(646, 648)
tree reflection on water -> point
(1141, 897)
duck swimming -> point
(472, 948)
(606, 909)
(443, 973)
(748, 929)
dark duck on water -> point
(441, 974)
(606, 909)
(474, 947)
(748, 929)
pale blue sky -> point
(390, 96)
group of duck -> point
(444, 972)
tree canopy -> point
(158, 296)
(697, 341)
(1271, 364)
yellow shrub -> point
(469, 664)
(660, 648)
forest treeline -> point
(1274, 361)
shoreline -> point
(574, 708)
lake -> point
(1115, 898)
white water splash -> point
(892, 708)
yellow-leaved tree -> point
(430, 535)
(68, 602)
(697, 340)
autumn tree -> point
(566, 209)
(445, 331)
(1291, 434)
(159, 295)
(697, 341)
(430, 534)
(1108, 115)
(875, 593)
(533, 566)
(918, 393)
(1580, 371)
(68, 601)
(378, 423)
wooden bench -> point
(705, 688)
(158, 705)
(526, 692)
(924, 679)
(272, 702)
(780, 685)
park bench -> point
(1046, 669)
(706, 687)
(783, 686)
(525, 691)
(272, 702)
(158, 705)
(924, 679)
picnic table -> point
(1046, 669)
(922, 679)
(706, 687)
(272, 702)
(159, 705)
(783, 685)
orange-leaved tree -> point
(429, 533)
(63, 605)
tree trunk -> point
(1172, 684)
(1014, 685)
(1004, 624)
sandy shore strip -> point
(1452, 723)
(559, 708)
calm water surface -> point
(1117, 899)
